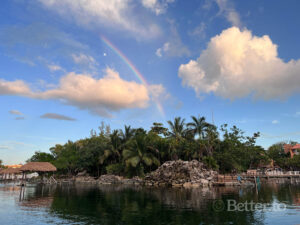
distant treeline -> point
(135, 151)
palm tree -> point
(177, 127)
(199, 126)
(140, 153)
(211, 139)
(127, 134)
(114, 149)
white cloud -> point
(113, 13)
(275, 122)
(54, 68)
(99, 96)
(174, 46)
(85, 60)
(17, 87)
(56, 116)
(158, 92)
(157, 6)
(107, 93)
(237, 64)
(15, 112)
(159, 52)
(227, 9)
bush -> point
(210, 162)
(115, 169)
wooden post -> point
(23, 179)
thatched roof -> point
(38, 167)
(10, 171)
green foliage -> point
(294, 163)
(115, 169)
(210, 162)
(41, 157)
(1, 164)
(140, 153)
(135, 151)
(276, 153)
(159, 129)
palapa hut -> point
(40, 167)
(10, 173)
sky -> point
(67, 65)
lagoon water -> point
(90, 204)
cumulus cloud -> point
(113, 13)
(227, 9)
(236, 64)
(99, 96)
(157, 6)
(174, 46)
(17, 87)
(56, 116)
(110, 92)
(15, 112)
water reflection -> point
(89, 204)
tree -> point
(159, 129)
(140, 154)
(177, 128)
(198, 126)
(276, 153)
(113, 152)
(206, 133)
(127, 134)
(68, 157)
(236, 152)
(41, 157)
(294, 163)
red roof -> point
(287, 148)
(297, 146)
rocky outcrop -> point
(85, 179)
(187, 174)
(181, 174)
(109, 179)
(113, 179)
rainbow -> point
(136, 72)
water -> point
(88, 204)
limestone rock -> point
(181, 174)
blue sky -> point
(235, 61)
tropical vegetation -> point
(136, 151)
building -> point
(17, 166)
(292, 149)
